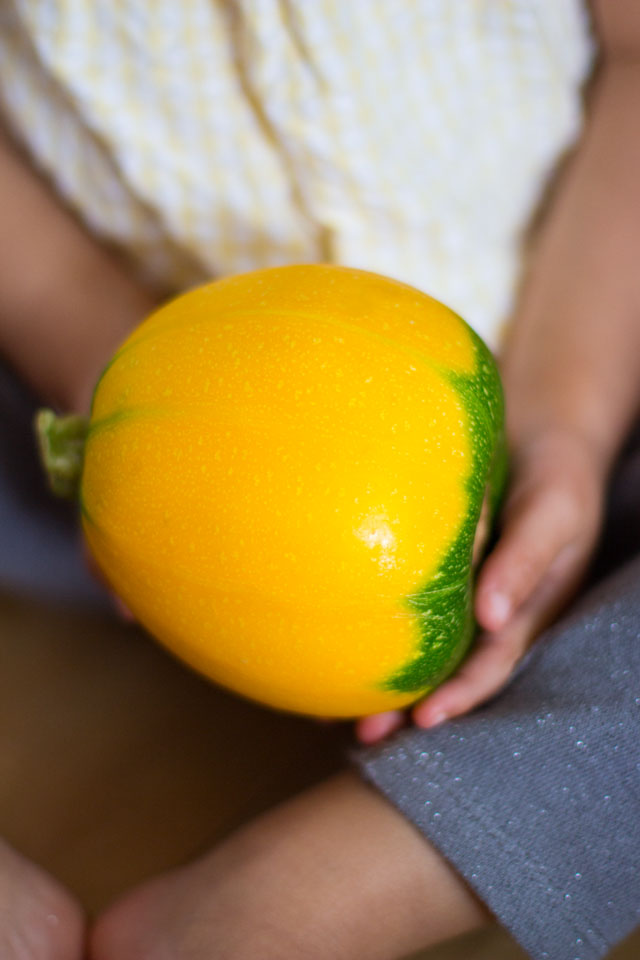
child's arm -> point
(65, 302)
(572, 379)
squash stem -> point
(61, 442)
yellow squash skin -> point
(275, 462)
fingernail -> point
(434, 720)
(500, 607)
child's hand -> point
(550, 523)
(571, 369)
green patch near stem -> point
(61, 442)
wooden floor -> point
(115, 762)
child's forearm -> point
(65, 302)
(572, 362)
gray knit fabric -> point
(535, 798)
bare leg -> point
(39, 920)
(336, 872)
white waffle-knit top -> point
(208, 137)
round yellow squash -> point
(283, 475)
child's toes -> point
(39, 919)
(133, 929)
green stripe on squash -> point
(445, 612)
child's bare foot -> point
(336, 872)
(39, 920)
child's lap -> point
(533, 797)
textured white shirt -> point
(208, 137)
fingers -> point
(489, 666)
(378, 726)
(544, 523)
(550, 523)
(495, 655)
(482, 675)
(553, 510)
